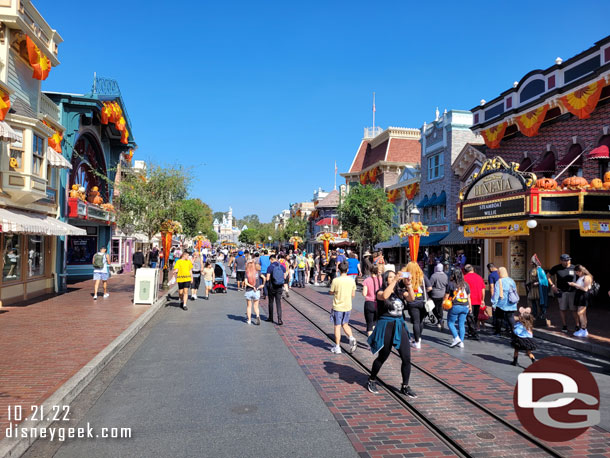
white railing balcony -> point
(372, 132)
(48, 107)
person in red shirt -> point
(477, 298)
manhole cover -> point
(485, 435)
(244, 409)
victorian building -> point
(97, 136)
(31, 157)
(545, 186)
(225, 229)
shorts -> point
(566, 301)
(100, 276)
(184, 284)
(241, 275)
(339, 318)
(208, 283)
(252, 295)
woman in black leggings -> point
(391, 330)
(370, 286)
(416, 307)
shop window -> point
(11, 269)
(115, 251)
(498, 249)
(16, 152)
(51, 184)
(81, 249)
(37, 155)
(443, 212)
(35, 255)
(434, 213)
(435, 166)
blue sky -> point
(261, 98)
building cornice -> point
(404, 133)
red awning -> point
(547, 164)
(328, 222)
(574, 154)
(601, 152)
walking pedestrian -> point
(458, 292)
(276, 278)
(343, 289)
(208, 279)
(286, 265)
(301, 265)
(240, 270)
(138, 260)
(391, 330)
(254, 285)
(583, 283)
(197, 268)
(311, 269)
(523, 337)
(416, 307)
(354, 267)
(439, 281)
(477, 300)
(492, 279)
(370, 286)
(153, 257)
(264, 265)
(505, 300)
(183, 269)
(101, 271)
(367, 264)
(564, 275)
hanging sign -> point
(594, 227)
(492, 209)
(499, 229)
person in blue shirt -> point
(354, 266)
(264, 263)
(276, 285)
(500, 301)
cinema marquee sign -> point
(495, 183)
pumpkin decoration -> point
(575, 183)
(606, 185)
(81, 193)
(94, 196)
(13, 163)
(74, 191)
(447, 304)
(607, 177)
(596, 183)
(546, 183)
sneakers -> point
(372, 386)
(316, 284)
(353, 344)
(407, 391)
(95, 297)
(514, 362)
(248, 322)
(336, 349)
(106, 295)
(564, 329)
(456, 341)
(581, 333)
(184, 307)
(417, 344)
(258, 321)
(461, 344)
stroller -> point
(220, 279)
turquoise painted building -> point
(95, 147)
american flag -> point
(335, 167)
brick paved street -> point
(47, 342)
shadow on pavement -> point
(346, 373)
(495, 359)
(315, 342)
(237, 317)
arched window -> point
(89, 166)
(604, 162)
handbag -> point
(429, 305)
(483, 316)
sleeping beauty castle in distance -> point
(225, 229)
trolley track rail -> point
(417, 413)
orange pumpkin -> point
(13, 163)
(447, 304)
(607, 177)
(546, 183)
(575, 183)
(596, 183)
(607, 185)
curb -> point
(11, 448)
(577, 344)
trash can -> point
(146, 286)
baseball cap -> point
(565, 257)
(240, 253)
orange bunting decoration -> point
(493, 135)
(363, 178)
(5, 104)
(120, 124)
(372, 175)
(39, 62)
(106, 113)
(530, 122)
(55, 141)
(583, 101)
(125, 136)
(393, 195)
(411, 190)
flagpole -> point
(335, 175)
(374, 113)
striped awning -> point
(57, 160)
(14, 221)
(7, 134)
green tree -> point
(195, 217)
(248, 236)
(293, 225)
(146, 200)
(218, 216)
(367, 216)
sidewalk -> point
(45, 343)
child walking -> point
(523, 337)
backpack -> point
(98, 261)
(301, 262)
(277, 276)
(594, 290)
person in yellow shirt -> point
(343, 289)
(183, 269)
